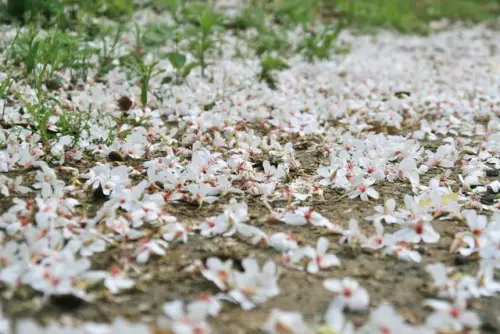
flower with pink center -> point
(385, 213)
(116, 281)
(451, 316)
(416, 232)
(305, 215)
(362, 189)
(312, 259)
(189, 319)
(285, 322)
(354, 296)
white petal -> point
(322, 246)
(329, 260)
(333, 284)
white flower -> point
(254, 286)
(385, 320)
(107, 178)
(188, 320)
(119, 325)
(351, 293)
(282, 242)
(200, 193)
(8, 253)
(271, 173)
(329, 173)
(377, 240)
(129, 199)
(468, 242)
(313, 259)
(281, 322)
(323, 260)
(91, 243)
(401, 249)
(444, 156)
(416, 232)
(58, 278)
(414, 212)
(440, 280)
(385, 213)
(175, 231)
(476, 223)
(305, 215)
(252, 234)
(335, 321)
(16, 186)
(353, 235)
(220, 273)
(4, 323)
(448, 316)
(149, 247)
(213, 226)
(212, 304)
(485, 281)
(227, 223)
(116, 281)
(408, 167)
(47, 180)
(362, 189)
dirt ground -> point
(404, 284)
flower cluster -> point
(248, 288)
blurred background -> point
(407, 16)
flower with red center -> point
(451, 316)
(115, 271)
(455, 312)
(308, 215)
(419, 228)
(354, 296)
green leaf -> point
(273, 63)
(189, 67)
(177, 59)
(208, 20)
(144, 94)
(167, 79)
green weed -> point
(202, 32)
(144, 70)
(269, 66)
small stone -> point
(488, 199)
(99, 194)
(66, 302)
(461, 260)
(115, 156)
(421, 250)
(124, 103)
(53, 84)
(492, 172)
(402, 94)
(490, 327)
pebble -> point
(461, 260)
(492, 172)
(124, 103)
(115, 156)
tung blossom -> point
(305, 215)
(288, 322)
(351, 294)
(363, 189)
